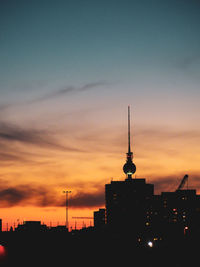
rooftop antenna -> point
(129, 167)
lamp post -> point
(67, 192)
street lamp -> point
(67, 192)
(150, 244)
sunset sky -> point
(68, 71)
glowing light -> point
(2, 251)
(150, 244)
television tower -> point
(129, 167)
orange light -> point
(2, 251)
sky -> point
(68, 71)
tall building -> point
(128, 203)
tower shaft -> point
(129, 167)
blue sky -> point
(78, 42)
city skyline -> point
(68, 72)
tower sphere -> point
(129, 168)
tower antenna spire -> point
(129, 131)
(129, 167)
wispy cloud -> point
(13, 133)
(21, 145)
(26, 194)
(67, 90)
(56, 93)
(45, 196)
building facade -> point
(128, 203)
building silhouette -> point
(100, 218)
(131, 206)
(177, 211)
(128, 203)
(31, 226)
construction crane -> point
(181, 185)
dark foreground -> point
(65, 249)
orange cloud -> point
(47, 196)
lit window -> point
(114, 196)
